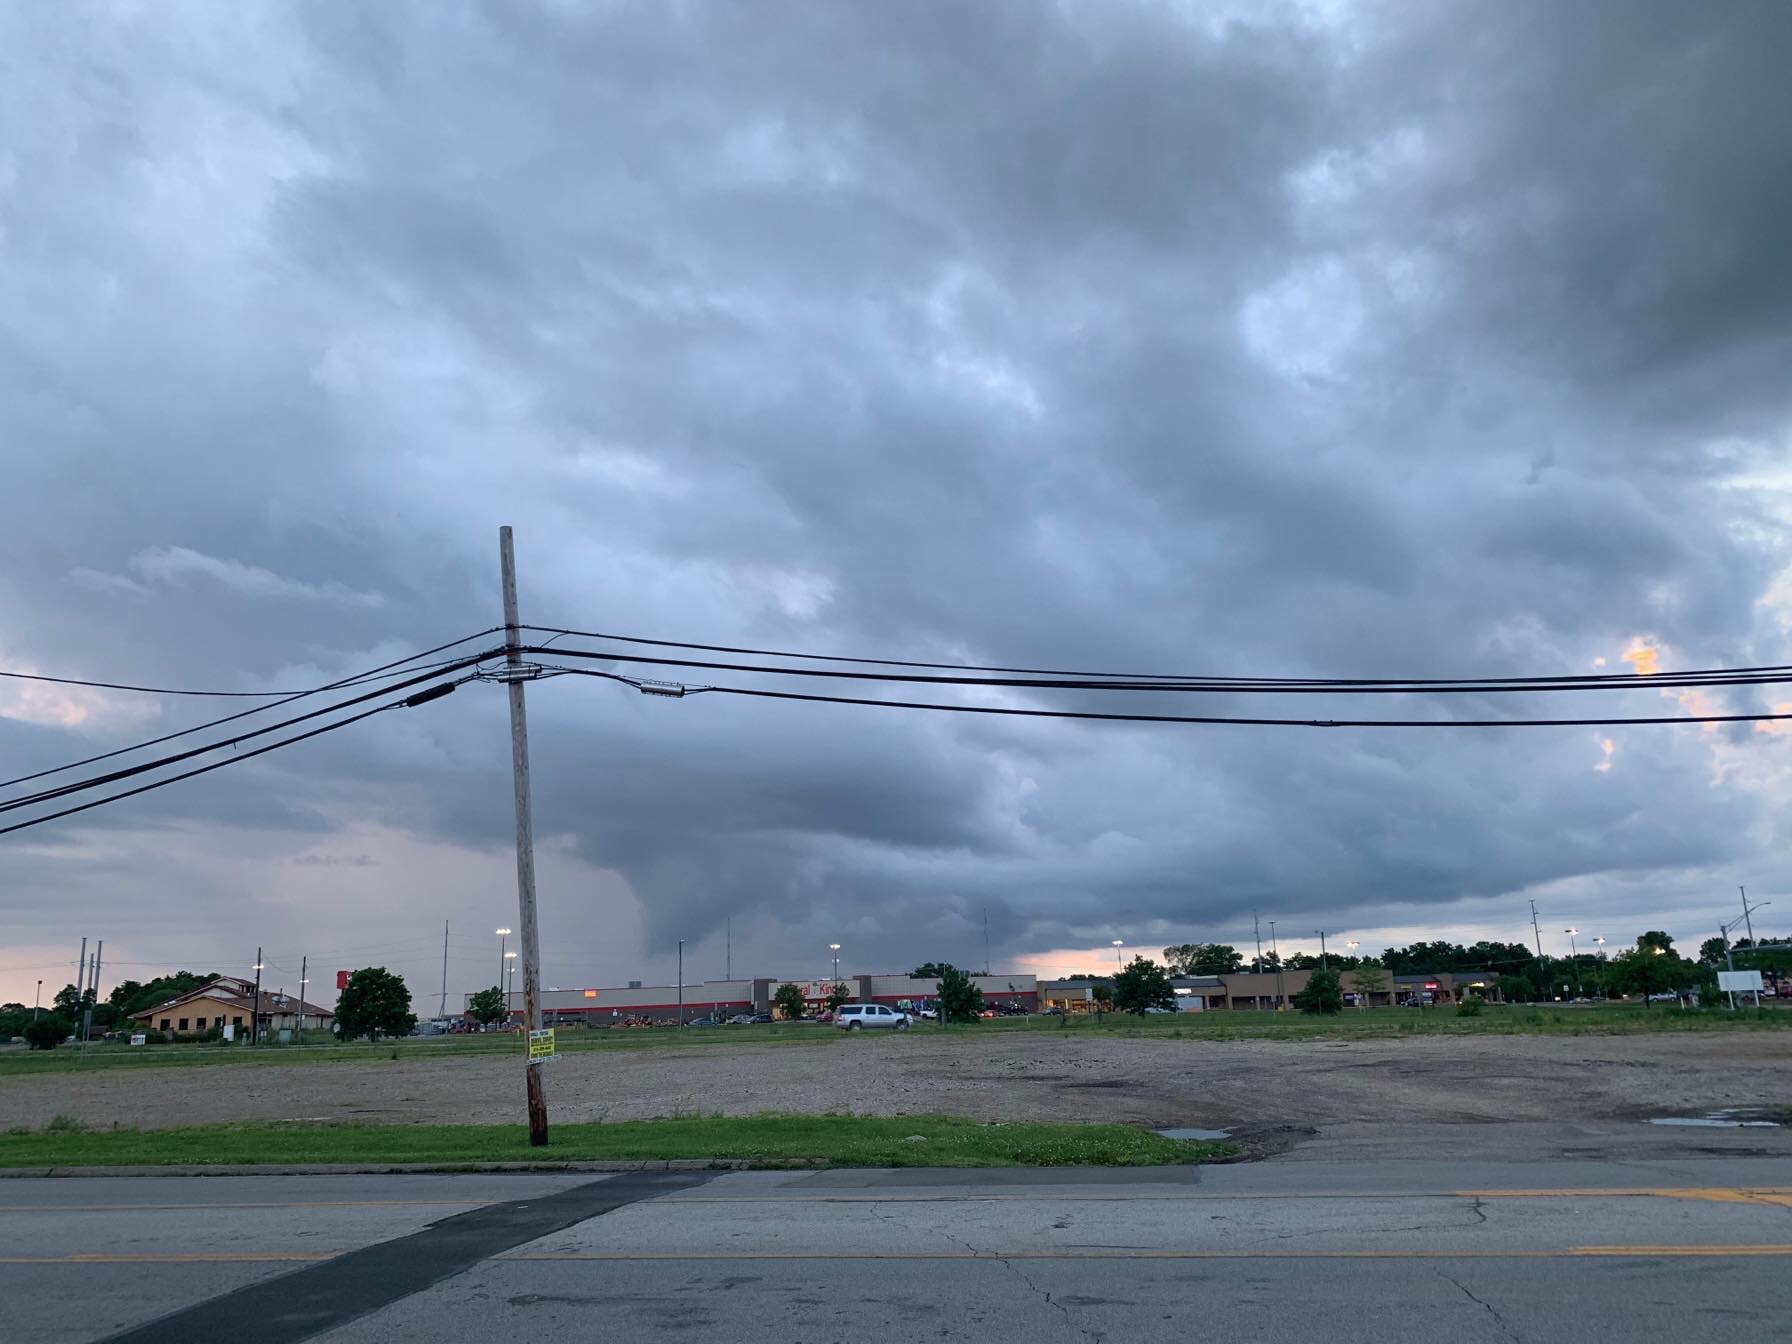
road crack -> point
(1485, 1305)
(1045, 1296)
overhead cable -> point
(406, 702)
(384, 670)
(162, 762)
(1007, 711)
(1778, 673)
(1665, 681)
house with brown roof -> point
(228, 1002)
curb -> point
(410, 1168)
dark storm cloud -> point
(1370, 342)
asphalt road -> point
(1384, 1251)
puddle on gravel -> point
(1734, 1117)
(1192, 1134)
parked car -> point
(704, 1022)
(740, 1019)
(858, 1016)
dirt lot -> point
(1442, 1095)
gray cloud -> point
(1378, 343)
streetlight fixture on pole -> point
(1574, 956)
(503, 936)
(509, 982)
(1599, 943)
(255, 1004)
(681, 982)
(1118, 944)
(835, 949)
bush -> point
(1469, 1007)
(46, 1033)
(1323, 993)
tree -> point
(46, 1033)
(69, 1002)
(1143, 985)
(838, 996)
(927, 970)
(1180, 958)
(1712, 950)
(1655, 938)
(1322, 994)
(1371, 978)
(374, 1002)
(1644, 970)
(1302, 961)
(1103, 993)
(789, 1001)
(130, 997)
(487, 1006)
(1203, 959)
(1514, 988)
(960, 1000)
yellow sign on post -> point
(541, 1046)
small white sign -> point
(138, 1038)
(1739, 982)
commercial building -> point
(1250, 990)
(226, 1002)
(724, 998)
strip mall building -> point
(725, 998)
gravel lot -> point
(1576, 1094)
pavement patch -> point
(309, 1301)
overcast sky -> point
(1333, 339)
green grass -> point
(1493, 1020)
(839, 1140)
(323, 1050)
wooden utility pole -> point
(442, 1008)
(525, 837)
(255, 1004)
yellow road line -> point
(170, 1258)
(1778, 1196)
(1097, 1253)
(296, 1204)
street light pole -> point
(681, 982)
(835, 949)
(1574, 954)
(255, 1004)
(509, 983)
(1276, 952)
(503, 935)
(1323, 964)
(1118, 943)
(37, 1001)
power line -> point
(219, 695)
(1773, 673)
(80, 786)
(410, 701)
(1006, 711)
(1738, 677)
(383, 670)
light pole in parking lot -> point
(835, 949)
(1118, 944)
(503, 936)
(1574, 956)
(509, 982)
